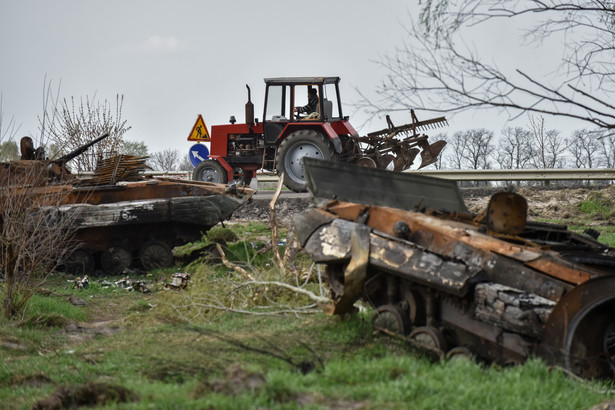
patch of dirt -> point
(90, 394)
(549, 203)
(235, 382)
(80, 332)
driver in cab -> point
(312, 105)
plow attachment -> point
(400, 145)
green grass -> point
(597, 205)
(174, 352)
(182, 366)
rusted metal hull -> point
(461, 280)
(127, 225)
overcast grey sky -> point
(173, 60)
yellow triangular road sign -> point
(199, 131)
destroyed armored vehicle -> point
(122, 218)
(493, 286)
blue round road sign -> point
(198, 153)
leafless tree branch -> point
(434, 70)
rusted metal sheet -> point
(495, 283)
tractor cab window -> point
(278, 103)
(331, 107)
(307, 102)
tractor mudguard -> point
(319, 126)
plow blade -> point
(429, 155)
(405, 159)
(403, 141)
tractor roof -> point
(301, 80)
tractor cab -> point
(285, 98)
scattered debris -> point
(178, 281)
(130, 285)
(81, 283)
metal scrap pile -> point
(118, 168)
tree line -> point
(532, 147)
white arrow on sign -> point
(196, 155)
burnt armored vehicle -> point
(121, 217)
(494, 285)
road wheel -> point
(459, 353)
(292, 150)
(81, 262)
(115, 260)
(210, 171)
(429, 337)
(393, 319)
(155, 255)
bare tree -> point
(74, 124)
(514, 151)
(584, 148)
(607, 150)
(185, 164)
(478, 148)
(436, 69)
(548, 147)
(457, 146)
(33, 242)
(166, 160)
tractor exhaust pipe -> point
(249, 109)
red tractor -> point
(302, 118)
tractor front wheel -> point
(298, 145)
(210, 170)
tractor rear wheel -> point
(292, 150)
(210, 170)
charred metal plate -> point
(406, 260)
(332, 243)
(372, 186)
(307, 222)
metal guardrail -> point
(507, 174)
(465, 175)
